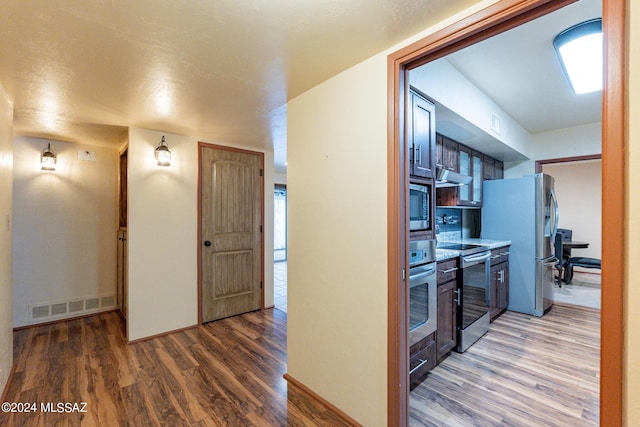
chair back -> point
(567, 235)
(558, 246)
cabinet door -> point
(447, 324)
(503, 286)
(476, 173)
(446, 153)
(465, 168)
(422, 136)
(499, 289)
(498, 170)
(488, 168)
(493, 291)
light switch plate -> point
(87, 155)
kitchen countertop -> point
(445, 254)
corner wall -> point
(337, 240)
(64, 229)
(6, 213)
(162, 233)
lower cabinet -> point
(499, 282)
(446, 335)
(422, 358)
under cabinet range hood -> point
(449, 178)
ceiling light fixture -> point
(48, 159)
(580, 51)
(163, 154)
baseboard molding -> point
(65, 319)
(313, 395)
(162, 334)
(268, 307)
(5, 390)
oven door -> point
(474, 308)
(423, 296)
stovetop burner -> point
(458, 246)
(464, 248)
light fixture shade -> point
(48, 159)
(163, 154)
(580, 51)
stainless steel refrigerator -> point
(525, 211)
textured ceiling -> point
(83, 71)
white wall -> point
(280, 178)
(575, 141)
(578, 186)
(6, 216)
(337, 240)
(64, 226)
(337, 236)
(162, 234)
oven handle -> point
(478, 258)
(417, 279)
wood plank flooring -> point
(526, 371)
(227, 372)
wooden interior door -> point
(231, 232)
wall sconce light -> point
(163, 154)
(48, 159)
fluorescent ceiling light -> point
(580, 51)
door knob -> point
(207, 243)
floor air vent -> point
(40, 311)
(61, 309)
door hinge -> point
(404, 274)
(260, 285)
(261, 228)
(260, 172)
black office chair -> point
(562, 261)
(566, 237)
(568, 262)
(579, 262)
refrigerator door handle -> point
(557, 214)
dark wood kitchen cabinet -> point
(492, 168)
(499, 282)
(470, 163)
(421, 136)
(446, 153)
(446, 335)
(422, 359)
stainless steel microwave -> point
(419, 207)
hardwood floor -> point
(526, 371)
(227, 372)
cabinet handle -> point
(457, 291)
(416, 155)
(448, 270)
(505, 253)
(420, 365)
(501, 276)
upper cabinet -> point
(470, 165)
(492, 168)
(421, 135)
(459, 158)
(447, 153)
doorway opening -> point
(493, 20)
(280, 247)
